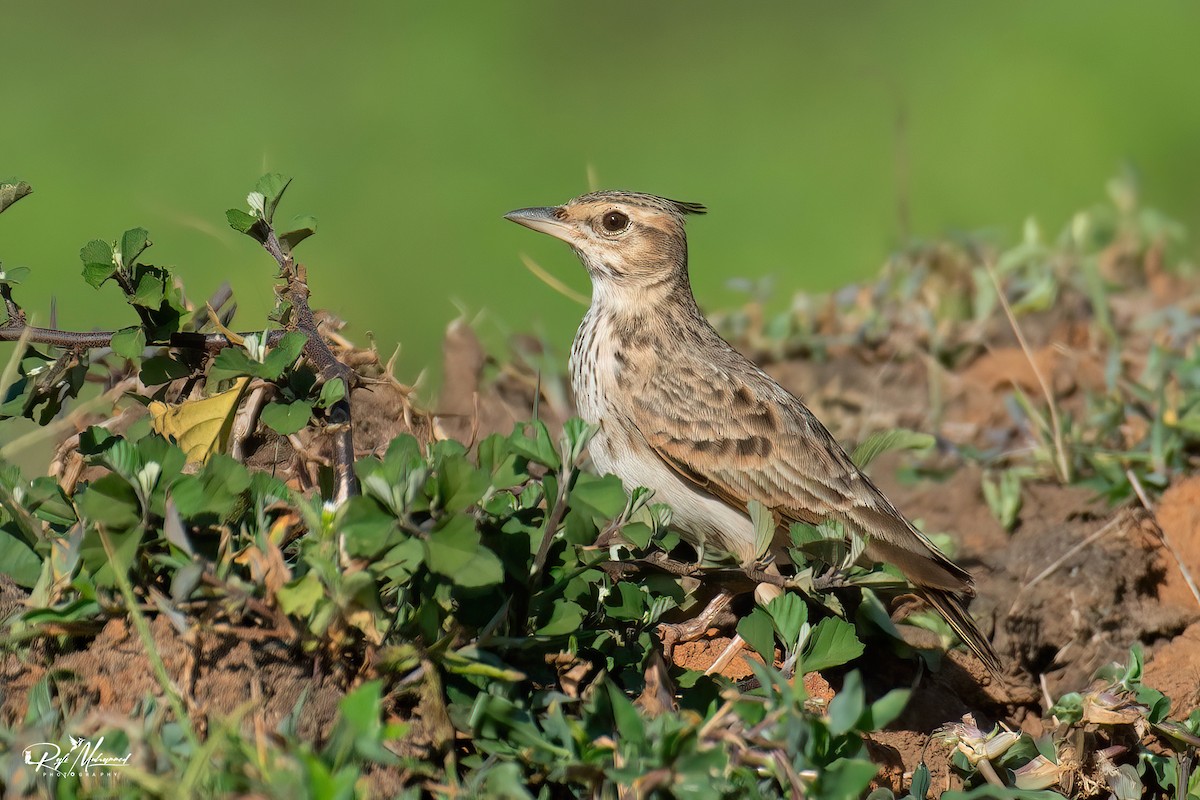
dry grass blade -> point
(1060, 451)
(553, 282)
(1162, 534)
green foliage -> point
(879, 443)
(469, 587)
(1003, 495)
(434, 565)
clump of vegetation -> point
(483, 615)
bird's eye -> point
(615, 222)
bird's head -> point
(627, 241)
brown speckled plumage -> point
(683, 413)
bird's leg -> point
(674, 633)
(832, 578)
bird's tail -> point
(954, 610)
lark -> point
(681, 412)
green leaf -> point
(638, 534)
(96, 560)
(564, 619)
(271, 186)
(921, 781)
(287, 418)
(129, 343)
(886, 709)
(604, 496)
(18, 561)
(831, 644)
(628, 721)
(847, 706)
(149, 291)
(759, 633)
(98, 264)
(538, 448)
(300, 228)
(133, 243)
(763, 520)
(576, 435)
(14, 275)
(368, 529)
(331, 392)
(846, 777)
(283, 355)
(239, 220)
(112, 502)
(627, 602)
(217, 489)
(460, 483)
(161, 369)
(47, 501)
(96, 274)
(898, 439)
(456, 552)
(789, 615)
(233, 362)
(300, 597)
(11, 192)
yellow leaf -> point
(199, 427)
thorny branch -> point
(14, 328)
(295, 293)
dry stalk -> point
(554, 283)
(1162, 534)
(1060, 450)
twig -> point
(552, 522)
(1162, 534)
(340, 428)
(1064, 468)
(740, 577)
(731, 650)
(12, 331)
(15, 314)
(246, 420)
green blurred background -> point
(410, 128)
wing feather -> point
(740, 437)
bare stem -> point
(295, 291)
(12, 331)
(1060, 450)
(1162, 534)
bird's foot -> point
(833, 578)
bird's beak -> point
(543, 221)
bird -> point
(680, 411)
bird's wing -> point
(735, 433)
